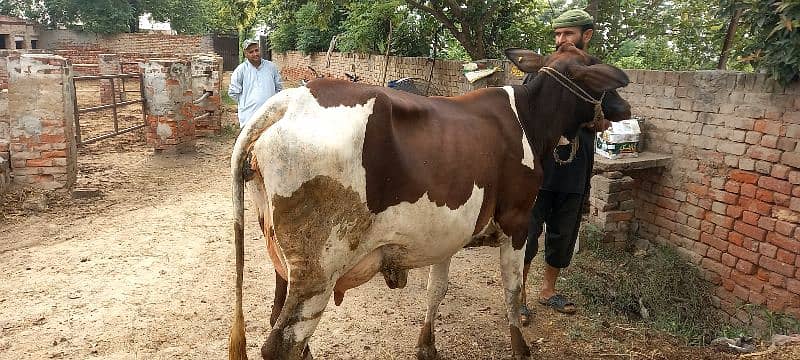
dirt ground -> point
(145, 270)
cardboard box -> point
(621, 140)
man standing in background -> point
(253, 82)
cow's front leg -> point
(511, 267)
(437, 287)
(299, 316)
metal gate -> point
(227, 46)
(115, 105)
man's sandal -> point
(524, 315)
(560, 303)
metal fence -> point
(114, 105)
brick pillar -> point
(5, 126)
(167, 90)
(109, 64)
(612, 204)
(41, 112)
(207, 78)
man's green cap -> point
(574, 17)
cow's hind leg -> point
(297, 321)
(437, 287)
(277, 307)
(511, 267)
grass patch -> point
(229, 131)
(661, 289)
(227, 99)
(656, 287)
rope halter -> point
(583, 95)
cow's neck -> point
(545, 111)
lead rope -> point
(583, 95)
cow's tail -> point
(272, 111)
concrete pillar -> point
(168, 92)
(207, 78)
(41, 112)
(109, 64)
(612, 205)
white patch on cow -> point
(511, 264)
(527, 158)
(429, 233)
(311, 307)
(311, 140)
(437, 288)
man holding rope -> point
(565, 187)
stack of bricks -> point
(612, 205)
(207, 79)
(109, 65)
(729, 199)
(168, 94)
(40, 107)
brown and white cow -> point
(350, 180)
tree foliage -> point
(769, 35)
(475, 24)
(117, 16)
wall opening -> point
(34, 44)
(3, 41)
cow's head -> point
(587, 72)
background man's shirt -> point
(251, 87)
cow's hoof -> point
(523, 354)
(427, 353)
(307, 353)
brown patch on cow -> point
(305, 220)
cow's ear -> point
(600, 77)
(526, 60)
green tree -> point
(770, 28)
(311, 37)
(116, 16)
(473, 23)
(366, 29)
(184, 16)
(243, 13)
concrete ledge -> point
(646, 160)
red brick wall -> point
(448, 78)
(730, 200)
(83, 48)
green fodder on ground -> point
(657, 287)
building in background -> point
(16, 33)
